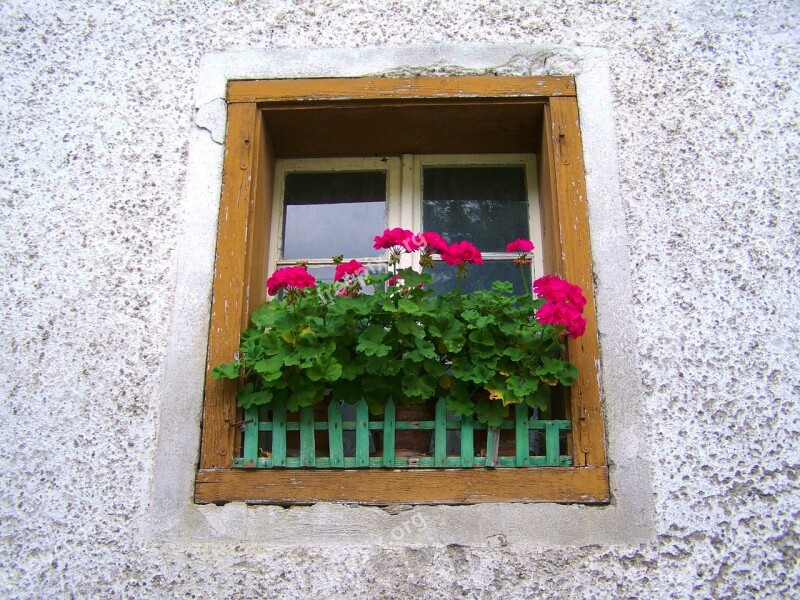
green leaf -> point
(498, 390)
(309, 345)
(407, 306)
(407, 326)
(562, 371)
(352, 366)
(370, 342)
(252, 350)
(539, 398)
(412, 279)
(522, 387)
(415, 386)
(377, 365)
(513, 353)
(508, 326)
(491, 412)
(467, 371)
(483, 337)
(504, 287)
(226, 371)
(568, 374)
(451, 332)
(483, 321)
(327, 368)
(247, 398)
(304, 393)
(433, 367)
(266, 315)
(460, 405)
(470, 315)
(269, 368)
(424, 349)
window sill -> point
(403, 486)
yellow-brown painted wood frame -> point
(238, 289)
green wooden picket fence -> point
(334, 457)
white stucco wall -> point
(97, 109)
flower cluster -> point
(563, 305)
(350, 274)
(396, 239)
(399, 240)
(461, 253)
(291, 279)
(523, 248)
(348, 270)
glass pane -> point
(487, 206)
(326, 214)
(479, 277)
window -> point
(488, 199)
(422, 121)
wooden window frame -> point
(241, 269)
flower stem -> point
(525, 279)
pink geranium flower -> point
(461, 253)
(520, 245)
(433, 242)
(563, 305)
(290, 278)
(395, 238)
(349, 270)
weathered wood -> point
(283, 90)
(362, 434)
(548, 199)
(279, 436)
(467, 442)
(227, 303)
(551, 443)
(307, 448)
(521, 435)
(335, 441)
(245, 208)
(383, 486)
(258, 224)
(410, 127)
(388, 434)
(440, 435)
(250, 449)
(573, 219)
(492, 446)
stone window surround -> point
(172, 517)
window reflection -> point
(332, 213)
(487, 206)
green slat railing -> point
(279, 436)
(307, 450)
(335, 441)
(467, 447)
(440, 435)
(250, 435)
(469, 454)
(522, 434)
(389, 426)
(362, 434)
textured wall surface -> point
(96, 110)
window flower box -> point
(319, 348)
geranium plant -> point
(482, 351)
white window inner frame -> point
(389, 164)
(404, 198)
